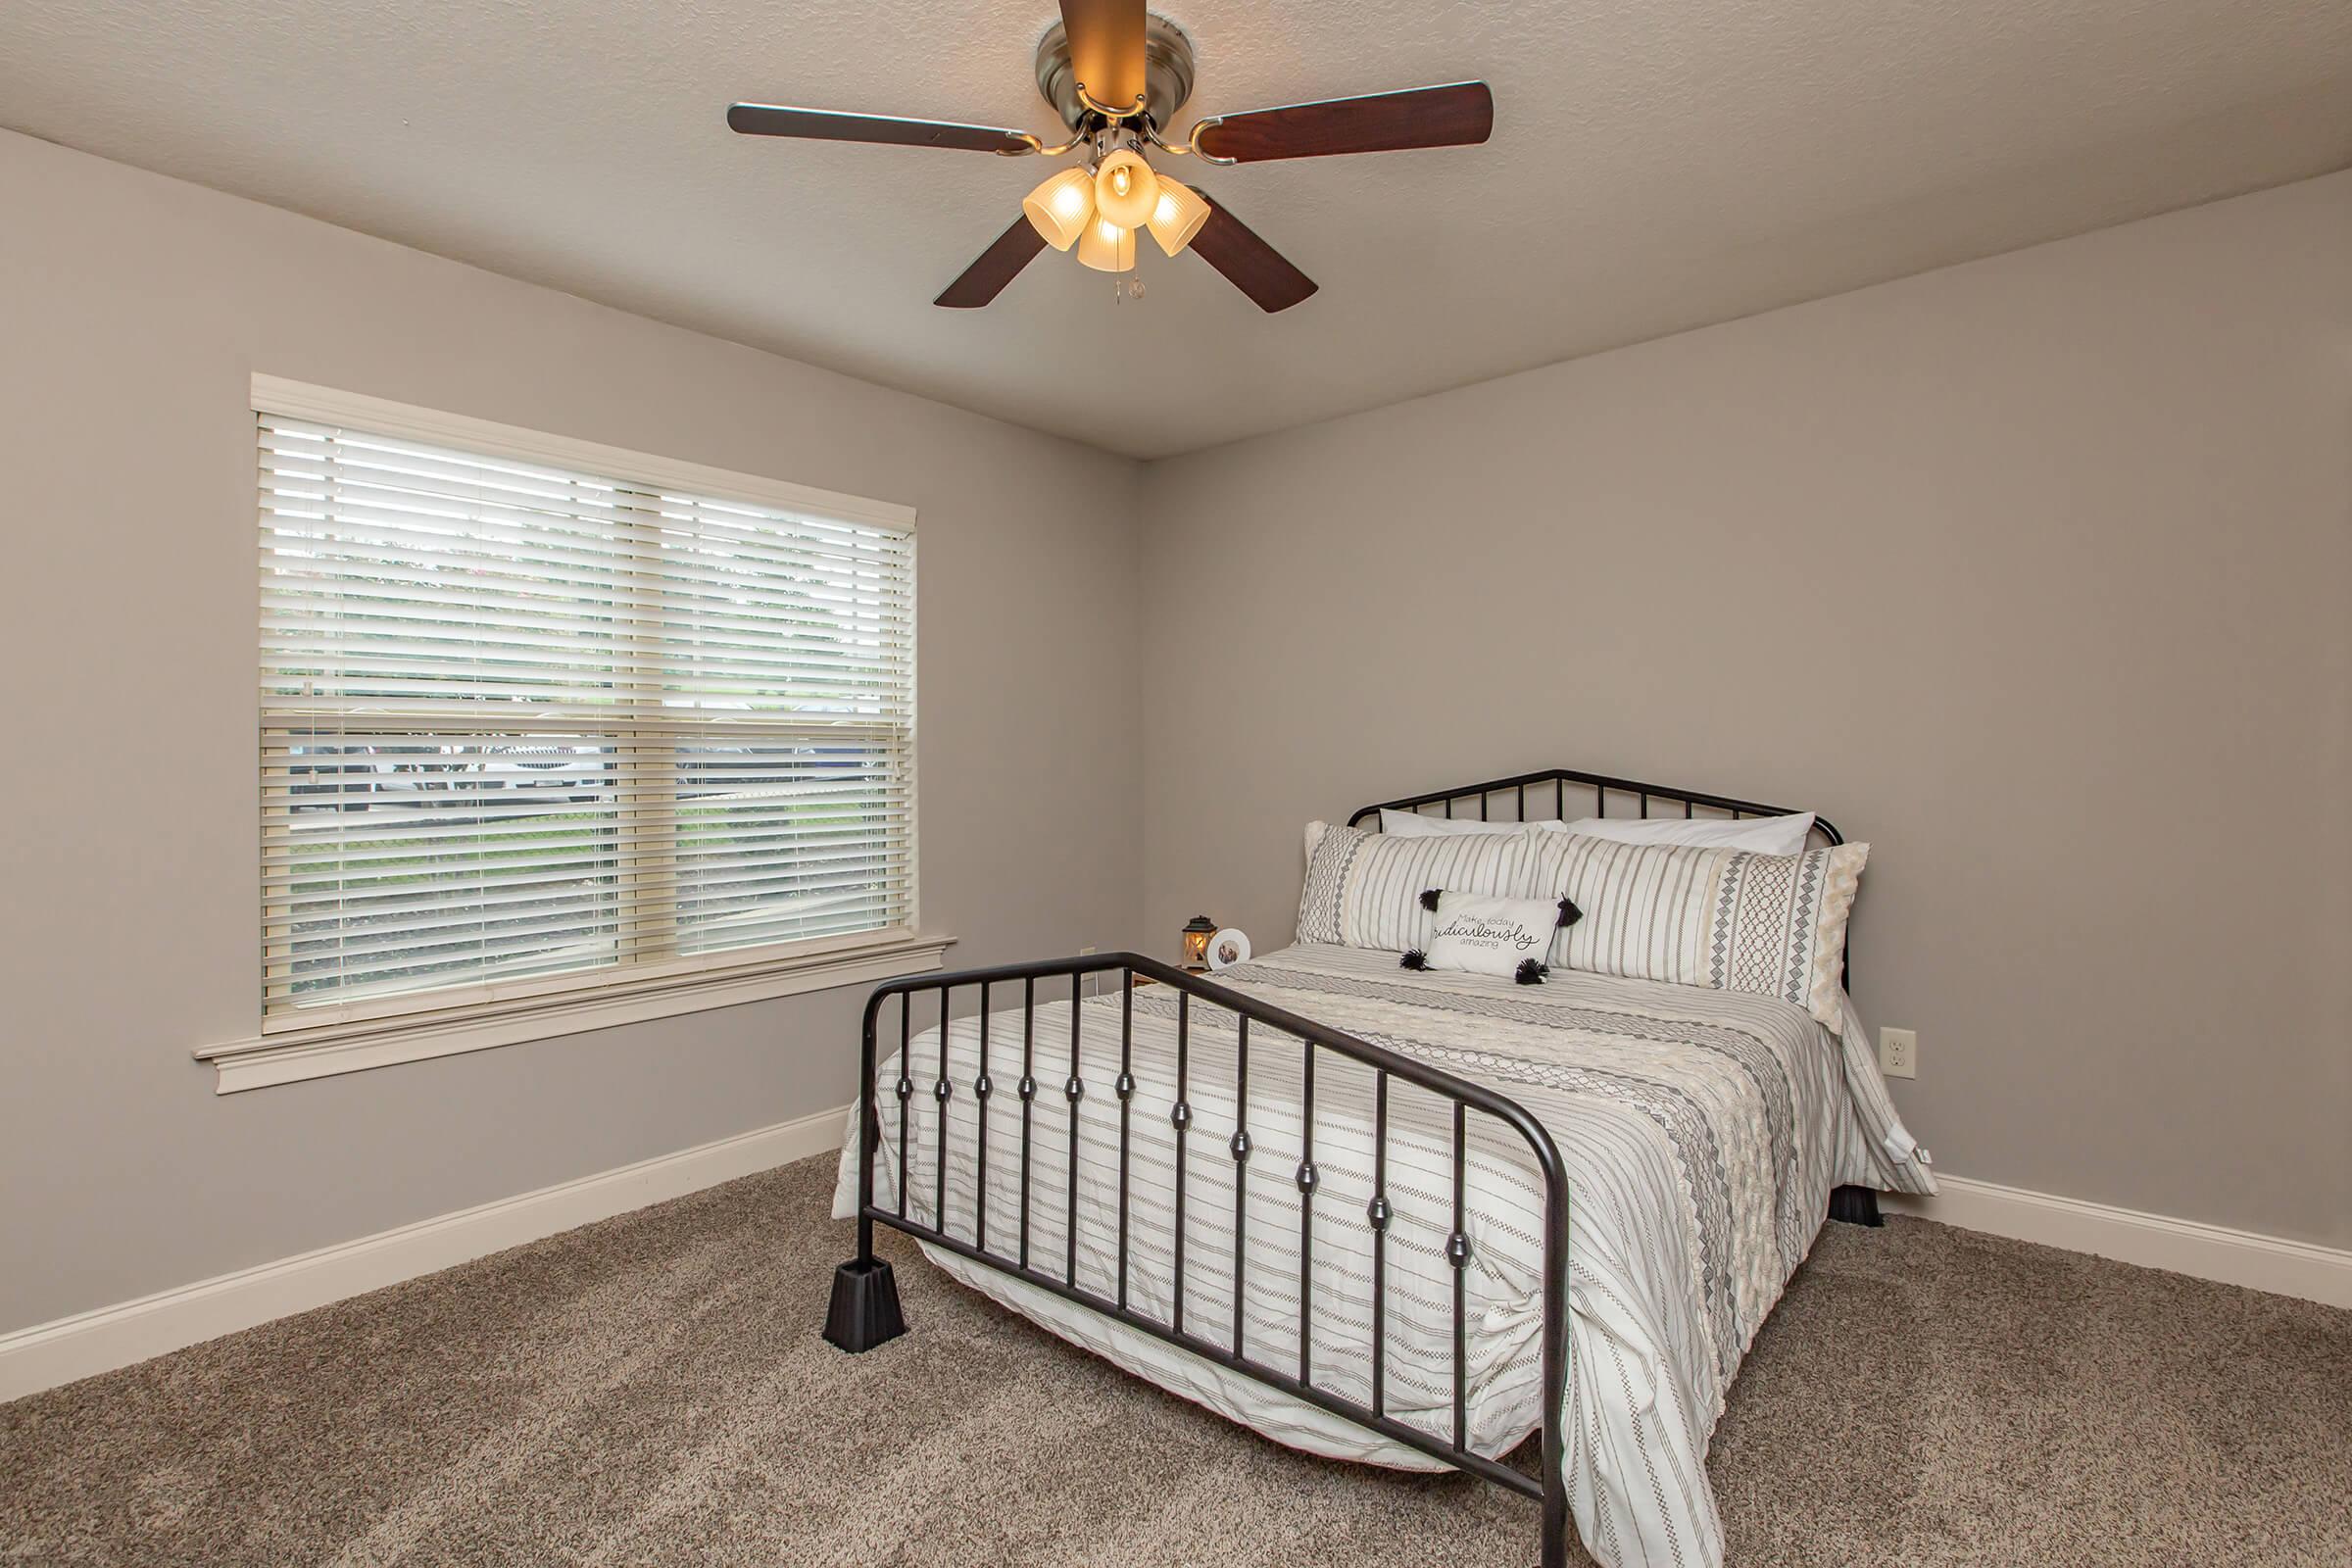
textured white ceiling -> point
(1655, 167)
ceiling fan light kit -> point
(1116, 74)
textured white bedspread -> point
(1702, 1132)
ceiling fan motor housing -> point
(1167, 74)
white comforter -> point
(1702, 1132)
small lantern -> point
(1196, 932)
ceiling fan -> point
(1116, 76)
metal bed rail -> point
(865, 1311)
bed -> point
(1405, 1218)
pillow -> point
(1766, 835)
(1363, 889)
(1477, 934)
(1412, 824)
(1727, 919)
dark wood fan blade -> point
(997, 265)
(827, 124)
(1460, 115)
(1253, 266)
(1107, 48)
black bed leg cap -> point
(866, 1306)
(1855, 1205)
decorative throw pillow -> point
(1766, 835)
(1479, 934)
(1363, 890)
(1727, 919)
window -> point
(529, 726)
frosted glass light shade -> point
(1126, 190)
(1106, 247)
(1177, 215)
(1061, 208)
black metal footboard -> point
(864, 1310)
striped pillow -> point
(1727, 919)
(1363, 890)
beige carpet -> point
(653, 1390)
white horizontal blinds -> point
(794, 818)
(518, 721)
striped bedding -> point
(1702, 1131)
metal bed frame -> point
(864, 1308)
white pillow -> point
(1413, 825)
(1765, 835)
(1479, 934)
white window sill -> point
(287, 1057)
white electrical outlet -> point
(1087, 951)
(1899, 1052)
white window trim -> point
(294, 1056)
(292, 1050)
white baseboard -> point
(2154, 1241)
(89, 1342)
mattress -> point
(1702, 1132)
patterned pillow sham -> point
(1363, 889)
(1727, 919)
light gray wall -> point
(132, 310)
(2035, 574)
(2025, 572)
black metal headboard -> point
(1559, 782)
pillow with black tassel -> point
(1478, 933)
(1414, 958)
